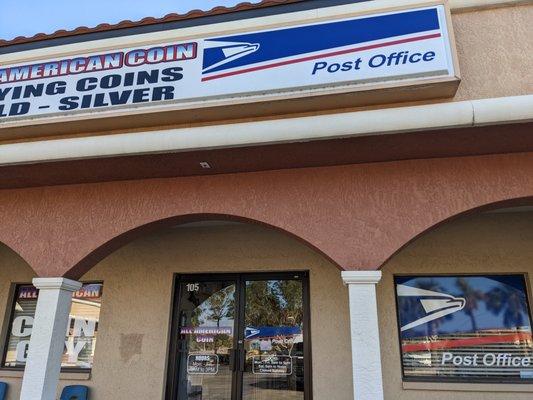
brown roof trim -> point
(145, 21)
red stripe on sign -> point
(316, 57)
(455, 343)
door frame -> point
(171, 386)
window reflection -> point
(80, 341)
(206, 329)
(274, 340)
(465, 327)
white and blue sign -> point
(401, 47)
(271, 332)
(465, 327)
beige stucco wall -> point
(132, 340)
(493, 243)
(494, 52)
(135, 312)
(13, 269)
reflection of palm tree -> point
(216, 307)
(291, 293)
(274, 303)
(262, 305)
(509, 300)
(472, 297)
(220, 304)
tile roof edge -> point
(124, 24)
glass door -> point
(273, 344)
(240, 337)
(206, 340)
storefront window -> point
(80, 341)
(465, 328)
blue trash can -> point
(3, 390)
(75, 392)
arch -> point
(516, 202)
(17, 254)
(356, 215)
(97, 255)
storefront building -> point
(288, 200)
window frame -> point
(456, 380)
(8, 321)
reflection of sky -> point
(224, 322)
(460, 321)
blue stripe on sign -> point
(307, 39)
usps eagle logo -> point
(436, 305)
(251, 332)
(219, 53)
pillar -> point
(366, 355)
(47, 341)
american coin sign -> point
(401, 46)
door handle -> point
(233, 359)
(242, 363)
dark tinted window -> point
(465, 328)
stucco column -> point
(366, 355)
(47, 342)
